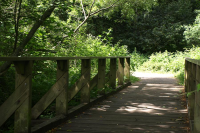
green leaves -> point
(198, 87)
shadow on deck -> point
(152, 105)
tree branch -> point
(31, 33)
(102, 9)
(17, 17)
(83, 9)
(90, 14)
(91, 8)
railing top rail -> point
(57, 58)
(195, 61)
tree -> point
(21, 9)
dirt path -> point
(152, 105)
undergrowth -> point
(169, 62)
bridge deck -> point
(151, 105)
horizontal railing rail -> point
(19, 102)
(192, 79)
(56, 58)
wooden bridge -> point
(140, 107)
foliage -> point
(171, 62)
(134, 79)
(137, 60)
(192, 32)
(159, 29)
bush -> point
(170, 62)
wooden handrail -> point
(192, 79)
(20, 101)
(56, 58)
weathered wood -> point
(61, 100)
(197, 62)
(101, 75)
(23, 82)
(107, 77)
(138, 109)
(13, 102)
(189, 75)
(78, 85)
(93, 82)
(55, 58)
(192, 87)
(113, 70)
(186, 76)
(120, 71)
(127, 69)
(48, 98)
(197, 103)
(85, 91)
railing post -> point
(113, 70)
(127, 69)
(192, 87)
(197, 103)
(85, 92)
(23, 113)
(61, 100)
(120, 74)
(101, 75)
(186, 76)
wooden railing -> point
(192, 79)
(20, 100)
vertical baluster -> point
(197, 103)
(23, 113)
(61, 100)
(85, 92)
(127, 69)
(120, 74)
(186, 76)
(192, 87)
(113, 70)
(101, 75)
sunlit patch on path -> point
(152, 105)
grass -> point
(166, 62)
(134, 79)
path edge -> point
(57, 120)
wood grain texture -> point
(192, 87)
(78, 85)
(101, 76)
(14, 101)
(197, 103)
(85, 91)
(141, 107)
(120, 74)
(57, 58)
(127, 69)
(23, 79)
(62, 99)
(112, 75)
(48, 98)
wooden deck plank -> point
(144, 107)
